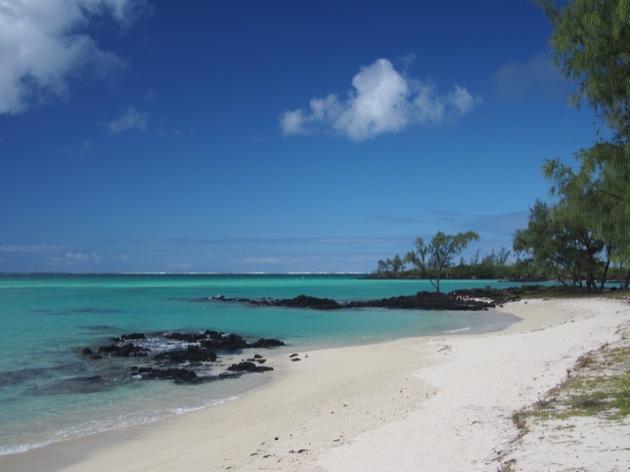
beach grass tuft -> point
(598, 385)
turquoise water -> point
(45, 319)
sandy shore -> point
(429, 403)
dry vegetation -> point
(598, 386)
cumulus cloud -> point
(382, 100)
(130, 120)
(43, 42)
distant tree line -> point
(437, 260)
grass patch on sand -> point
(598, 385)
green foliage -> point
(597, 197)
(591, 44)
(390, 266)
(590, 225)
(559, 242)
(434, 257)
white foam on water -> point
(100, 426)
(459, 330)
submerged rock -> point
(177, 374)
(87, 352)
(82, 384)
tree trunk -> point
(590, 282)
(604, 275)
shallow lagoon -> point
(46, 318)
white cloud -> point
(461, 100)
(535, 77)
(382, 100)
(292, 122)
(75, 257)
(130, 119)
(43, 42)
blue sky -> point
(270, 136)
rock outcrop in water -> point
(266, 342)
(193, 354)
(123, 350)
(498, 295)
(183, 357)
(179, 375)
(419, 301)
(248, 366)
(130, 337)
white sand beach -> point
(429, 403)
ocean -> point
(49, 392)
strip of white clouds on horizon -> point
(382, 100)
(43, 43)
(76, 257)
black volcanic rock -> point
(229, 342)
(193, 354)
(187, 337)
(246, 366)
(176, 374)
(424, 301)
(123, 350)
(213, 334)
(301, 301)
(266, 342)
(182, 357)
(305, 301)
(129, 337)
(87, 352)
(499, 296)
(419, 301)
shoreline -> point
(90, 427)
(339, 406)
